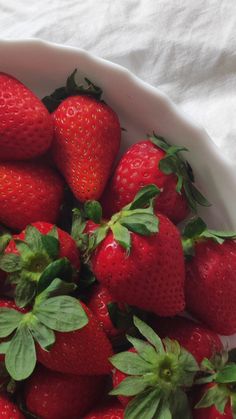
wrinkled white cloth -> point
(186, 48)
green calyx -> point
(52, 311)
(158, 373)
(221, 373)
(137, 217)
(71, 88)
(174, 163)
(196, 230)
(35, 265)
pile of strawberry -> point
(95, 276)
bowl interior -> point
(141, 108)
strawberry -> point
(39, 250)
(194, 337)
(86, 142)
(109, 410)
(99, 303)
(154, 161)
(211, 276)
(83, 352)
(29, 192)
(59, 331)
(139, 258)
(156, 376)
(8, 409)
(26, 129)
(51, 395)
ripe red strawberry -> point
(40, 248)
(67, 246)
(83, 352)
(109, 410)
(51, 395)
(196, 338)
(29, 192)
(98, 304)
(211, 278)
(153, 376)
(26, 129)
(8, 409)
(146, 163)
(144, 267)
(86, 141)
(60, 332)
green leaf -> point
(174, 149)
(78, 226)
(99, 234)
(149, 334)
(121, 235)
(130, 386)
(191, 201)
(130, 363)
(60, 268)
(4, 240)
(10, 263)
(143, 406)
(217, 396)
(25, 292)
(198, 197)
(180, 406)
(20, 358)
(63, 314)
(53, 233)
(144, 349)
(179, 184)
(188, 247)
(159, 142)
(23, 249)
(42, 334)
(227, 374)
(9, 321)
(165, 413)
(57, 287)
(51, 246)
(144, 196)
(194, 228)
(33, 238)
(168, 165)
(140, 222)
(53, 101)
(93, 211)
(4, 347)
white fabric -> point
(185, 47)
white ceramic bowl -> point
(43, 66)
